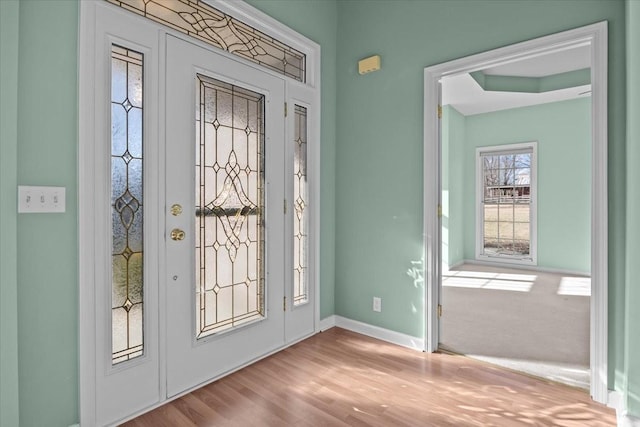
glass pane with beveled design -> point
(300, 203)
(229, 207)
(206, 23)
(126, 204)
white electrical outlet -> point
(41, 199)
(377, 304)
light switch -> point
(41, 199)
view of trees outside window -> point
(507, 204)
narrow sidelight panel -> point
(126, 204)
(300, 200)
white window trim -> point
(532, 259)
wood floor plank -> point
(295, 398)
(340, 378)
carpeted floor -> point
(530, 321)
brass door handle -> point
(177, 234)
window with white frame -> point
(506, 195)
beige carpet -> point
(531, 321)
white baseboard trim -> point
(523, 267)
(616, 401)
(446, 267)
(393, 337)
(626, 420)
(327, 323)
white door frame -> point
(594, 35)
(88, 182)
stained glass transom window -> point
(300, 201)
(229, 206)
(197, 19)
(126, 203)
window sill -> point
(497, 259)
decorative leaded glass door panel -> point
(225, 224)
(299, 321)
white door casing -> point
(111, 394)
(595, 36)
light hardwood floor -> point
(340, 378)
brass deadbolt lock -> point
(176, 209)
(177, 234)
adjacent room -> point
(516, 220)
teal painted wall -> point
(563, 132)
(632, 370)
(9, 386)
(374, 154)
(318, 21)
(380, 137)
(453, 136)
(47, 243)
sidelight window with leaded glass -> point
(301, 202)
(126, 203)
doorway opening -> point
(485, 237)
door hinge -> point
(285, 109)
(439, 211)
(285, 206)
(439, 310)
(439, 111)
(284, 304)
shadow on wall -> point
(416, 273)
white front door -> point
(224, 216)
(196, 235)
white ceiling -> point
(469, 98)
(465, 95)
